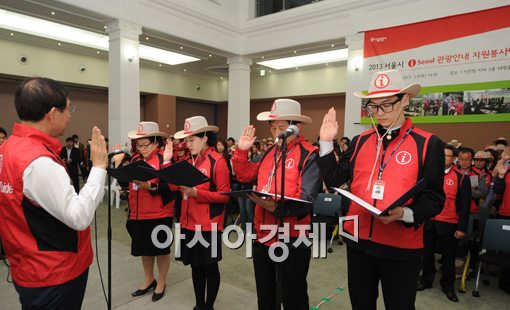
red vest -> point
(401, 172)
(504, 209)
(144, 204)
(452, 182)
(199, 211)
(474, 172)
(42, 250)
(297, 157)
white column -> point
(124, 80)
(354, 80)
(238, 95)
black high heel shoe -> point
(140, 292)
(158, 296)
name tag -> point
(135, 187)
(378, 190)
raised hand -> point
(98, 151)
(247, 138)
(169, 151)
(329, 128)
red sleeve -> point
(222, 180)
(245, 171)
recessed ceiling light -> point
(262, 57)
(221, 78)
(59, 44)
(332, 45)
(295, 52)
(12, 34)
(98, 52)
(52, 13)
(63, 33)
(210, 55)
(306, 60)
(181, 47)
(184, 70)
(147, 38)
(160, 65)
(269, 71)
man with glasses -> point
(44, 223)
(382, 164)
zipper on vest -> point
(371, 223)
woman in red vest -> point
(150, 207)
(202, 211)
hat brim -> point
(266, 116)
(134, 135)
(184, 133)
(411, 90)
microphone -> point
(292, 130)
(110, 155)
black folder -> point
(181, 173)
(139, 170)
(263, 195)
(413, 191)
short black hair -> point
(451, 148)
(75, 136)
(211, 137)
(3, 131)
(231, 139)
(501, 141)
(346, 139)
(467, 150)
(37, 96)
(70, 139)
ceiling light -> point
(160, 65)
(181, 48)
(52, 13)
(12, 34)
(51, 30)
(59, 44)
(184, 70)
(306, 60)
(98, 52)
(146, 38)
(210, 55)
(295, 52)
(262, 72)
(332, 45)
(262, 57)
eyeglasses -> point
(143, 146)
(385, 107)
(71, 108)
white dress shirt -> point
(47, 184)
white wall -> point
(301, 82)
(64, 66)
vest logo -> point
(449, 182)
(6, 188)
(204, 171)
(403, 158)
(1, 162)
(290, 163)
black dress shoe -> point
(422, 286)
(158, 296)
(452, 296)
(145, 290)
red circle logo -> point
(403, 158)
(411, 63)
(187, 125)
(203, 170)
(140, 128)
(449, 182)
(381, 81)
(289, 163)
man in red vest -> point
(382, 164)
(44, 223)
(447, 227)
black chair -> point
(495, 247)
(327, 209)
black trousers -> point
(66, 296)
(398, 280)
(444, 240)
(294, 273)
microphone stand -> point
(280, 207)
(109, 233)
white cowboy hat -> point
(386, 84)
(146, 129)
(284, 110)
(455, 143)
(194, 125)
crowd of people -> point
(47, 241)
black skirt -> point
(141, 236)
(198, 254)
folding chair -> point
(327, 207)
(495, 247)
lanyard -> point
(383, 166)
(267, 187)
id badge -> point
(378, 190)
(135, 187)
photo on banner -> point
(461, 61)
